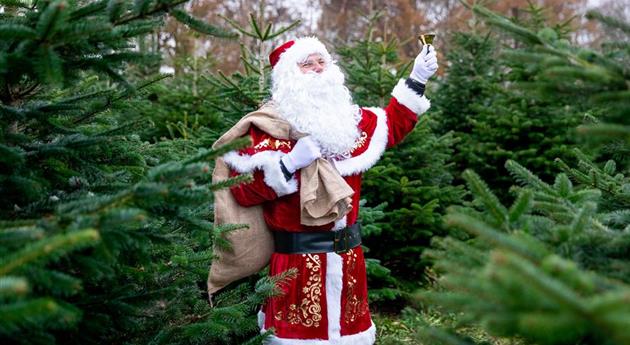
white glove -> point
(425, 64)
(304, 153)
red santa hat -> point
(296, 51)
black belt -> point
(318, 241)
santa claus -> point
(327, 302)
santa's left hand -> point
(425, 64)
(305, 151)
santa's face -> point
(313, 63)
(310, 94)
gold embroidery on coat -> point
(360, 142)
(262, 144)
(355, 307)
(280, 143)
(309, 312)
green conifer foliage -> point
(495, 121)
(612, 181)
(546, 269)
(102, 238)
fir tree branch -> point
(12, 286)
(479, 228)
(28, 314)
(483, 193)
(48, 249)
(110, 99)
(546, 284)
(521, 206)
(283, 30)
(15, 3)
(609, 21)
(236, 26)
(526, 177)
(52, 18)
(200, 26)
(161, 7)
(88, 10)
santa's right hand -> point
(304, 153)
(424, 65)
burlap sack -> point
(323, 199)
(251, 247)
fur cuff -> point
(410, 99)
(269, 163)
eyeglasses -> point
(312, 63)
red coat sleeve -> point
(402, 112)
(253, 193)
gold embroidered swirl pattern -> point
(309, 312)
(262, 144)
(360, 142)
(281, 143)
(275, 143)
(355, 307)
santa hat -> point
(296, 51)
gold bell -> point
(426, 38)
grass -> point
(394, 329)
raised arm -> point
(408, 99)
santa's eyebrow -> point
(314, 55)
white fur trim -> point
(410, 99)
(261, 321)
(301, 49)
(367, 337)
(334, 285)
(378, 143)
(269, 163)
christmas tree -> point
(495, 122)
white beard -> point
(319, 105)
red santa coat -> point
(327, 302)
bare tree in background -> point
(599, 33)
(345, 20)
(340, 21)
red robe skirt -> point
(325, 304)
